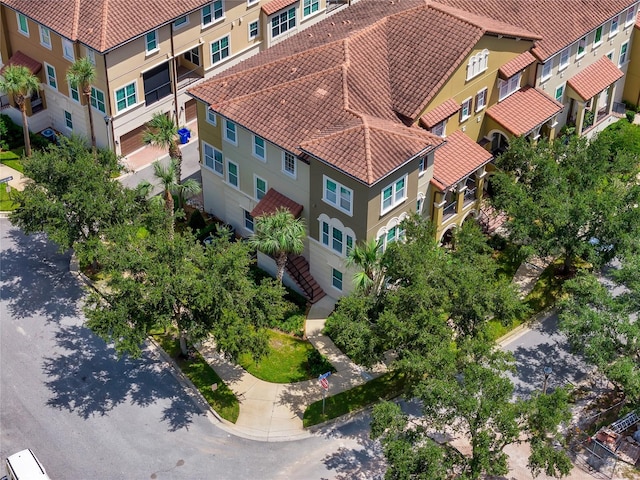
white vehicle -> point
(25, 466)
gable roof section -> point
(274, 200)
(457, 158)
(516, 65)
(595, 78)
(24, 60)
(274, 5)
(103, 24)
(440, 113)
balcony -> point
(469, 196)
(449, 211)
(187, 77)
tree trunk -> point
(87, 93)
(176, 154)
(281, 262)
(183, 343)
(168, 205)
(568, 261)
(25, 126)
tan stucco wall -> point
(632, 84)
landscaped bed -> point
(6, 204)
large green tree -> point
(162, 132)
(20, 83)
(81, 74)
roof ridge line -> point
(76, 20)
(103, 32)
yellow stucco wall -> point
(631, 91)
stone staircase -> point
(298, 269)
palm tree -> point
(279, 234)
(20, 83)
(366, 256)
(81, 74)
(163, 133)
(168, 180)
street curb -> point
(524, 327)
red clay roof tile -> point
(457, 158)
(20, 58)
(516, 65)
(274, 200)
(595, 78)
(440, 113)
(275, 5)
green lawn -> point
(5, 201)
(387, 386)
(11, 158)
(222, 400)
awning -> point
(516, 65)
(457, 158)
(595, 78)
(20, 58)
(440, 113)
(274, 200)
(272, 7)
(524, 110)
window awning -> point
(275, 5)
(20, 58)
(524, 110)
(457, 158)
(595, 78)
(516, 65)
(274, 200)
(440, 113)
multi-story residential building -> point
(631, 92)
(146, 55)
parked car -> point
(24, 465)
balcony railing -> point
(449, 210)
(187, 77)
(469, 195)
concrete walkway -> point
(18, 181)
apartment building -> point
(146, 55)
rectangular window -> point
(546, 70)
(564, 58)
(337, 195)
(45, 37)
(230, 133)
(193, 56)
(597, 38)
(419, 204)
(91, 55)
(97, 100)
(23, 24)
(180, 22)
(582, 45)
(439, 129)
(51, 76)
(151, 40)
(253, 30)
(261, 188)
(336, 243)
(283, 22)
(211, 116)
(610, 55)
(212, 158)
(74, 93)
(465, 110)
(248, 221)
(67, 120)
(67, 50)
(220, 49)
(289, 164)
(157, 84)
(623, 54)
(394, 194)
(615, 25)
(126, 97)
(507, 87)
(349, 244)
(629, 17)
(212, 12)
(258, 148)
(232, 174)
(310, 6)
(560, 93)
(336, 278)
(481, 99)
(325, 233)
(422, 166)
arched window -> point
(478, 63)
(392, 231)
(335, 236)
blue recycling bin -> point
(185, 135)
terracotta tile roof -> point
(457, 158)
(20, 58)
(103, 24)
(274, 200)
(558, 22)
(516, 65)
(524, 110)
(274, 5)
(595, 78)
(440, 113)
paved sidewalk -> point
(528, 273)
(18, 181)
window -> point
(335, 236)
(422, 166)
(310, 6)
(337, 240)
(232, 174)
(258, 148)
(337, 195)
(253, 30)
(248, 221)
(45, 37)
(614, 25)
(181, 21)
(478, 63)
(564, 59)
(610, 55)
(283, 22)
(439, 129)
(74, 92)
(97, 100)
(507, 87)
(212, 158)
(465, 110)
(391, 235)
(560, 93)
(394, 194)
(51, 76)
(289, 164)
(67, 120)
(597, 39)
(126, 97)
(546, 70)
(623, 53)
(419, 204)
(220, 49)
(336, 278)
(67, 50)
(261, 188)
(629, 17)
(157, 84)
(151, 40)
(582, 45)
(193, 55)
(91, 55)
(211, 116)
(481, 99)
(212, 12)
(230, 134)
(23, 24)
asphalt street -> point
(89, 415)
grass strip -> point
(384, 387)
(11, 158)
(222, 399)
(6, 204)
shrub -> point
(196, 221)
(10, 133)
(631, 115)
(318, 364)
